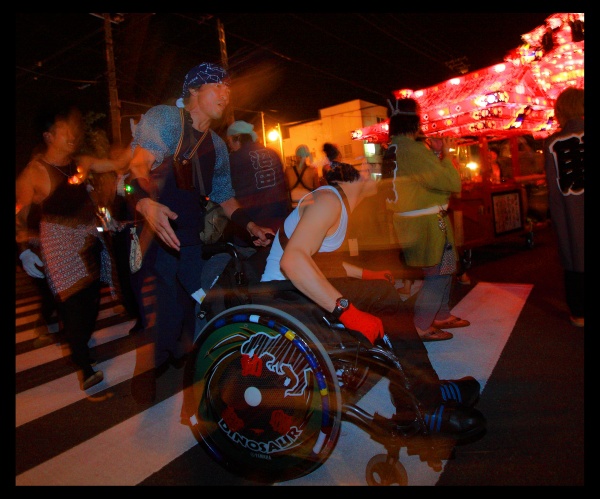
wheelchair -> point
(271, 378)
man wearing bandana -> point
(172, 209)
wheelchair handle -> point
(213, 249)
(269, 236)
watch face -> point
(343, 303)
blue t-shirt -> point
(259, 184)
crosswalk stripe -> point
(49, 353)
(124, 455)
(492, 310)
(64, 391)
(132, 450)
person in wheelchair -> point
(309, 250)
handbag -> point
(215, 220)
(135, 251)
(215, 223)
(448, 262)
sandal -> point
(435, 334)
(451, 322)
(94, 379)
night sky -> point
(287, 65)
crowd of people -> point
(291, 221)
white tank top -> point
(330, 243)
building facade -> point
(335, 125)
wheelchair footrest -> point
(376, 425)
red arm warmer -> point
(377, 274)
(365, 323)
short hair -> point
(569, 105)
(404, 118)
(245, 138)
(49, 116)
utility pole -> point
(262, 117)
(229, 118)
(115, 113)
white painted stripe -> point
(54, 395)
(493, 310)
(131, 451)
(40, 356)
(125, 454)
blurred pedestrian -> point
(419, 193)
(73, 255)
(302, 177)
(47, 325)
(257, 179)
(564, 165)
(130, 285)
(333, 155)
(168, 192)
(259, 185)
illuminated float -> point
(507, 107)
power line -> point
(297, 61)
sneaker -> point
(464, 391)
(458, 422)
(94, 379)
(137, 327)
(177, 363)
(577, 321)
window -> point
(369, 150)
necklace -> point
(73, 178)
(59, 168)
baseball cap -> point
(241, 127)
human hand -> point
(261, 236)
(29, 260)
(84, 168)
(378, 274)
(367, 324)
(449, 145)
(157, 216)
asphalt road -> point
(533, 397)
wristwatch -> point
(341, 305)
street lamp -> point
(273, 135)
(262, 119)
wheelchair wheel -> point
(262, 394)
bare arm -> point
(317, 220)
(352, 270)
(32, 187)
(157, 215)
(118, 162)
(232, 205)
(315, 183)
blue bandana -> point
(201, 74)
